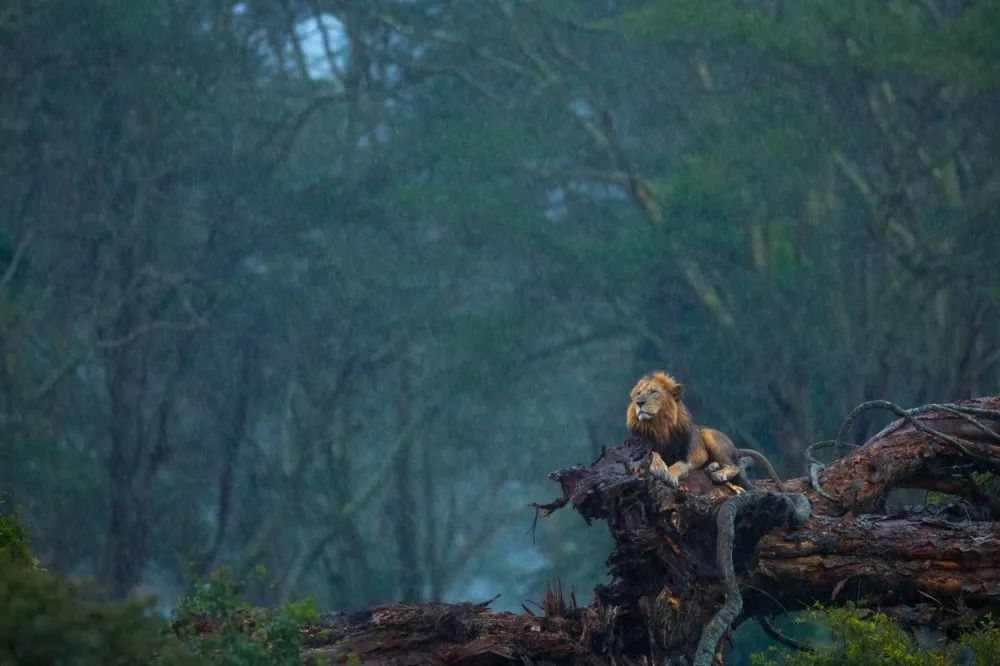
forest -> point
(303, 301)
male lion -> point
(656, 411)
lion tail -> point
(765, 463)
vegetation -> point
(331, 286)
(45, 620)
(223, 628)
(14, 540)
(864, 638)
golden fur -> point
(656, 411)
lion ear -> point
(677, 390)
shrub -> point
(44, 621)
(14, 539)
(223, 628)
(860, 637)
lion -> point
(656, 411)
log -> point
(690, 563)
(402, 634)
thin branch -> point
(909, 417)
(144, 329)
(335, 70)
(448, 38)
(462, 75)
(15, 261)
(768, 626)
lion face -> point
(655, 405)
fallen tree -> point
(690, 563)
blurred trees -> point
(330, 286)
(769, 192)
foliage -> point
(44, 620)
(860, 637)
(236, 632)
(979, 644)
(14, 539)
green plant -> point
(222, 627)
(46, 620)
(860, 637)
(979, 644)
(14, 539)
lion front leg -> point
(676, 471)
(670, 475)
(659, 469)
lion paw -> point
(718, 477)
(713, 466)
(664, 476)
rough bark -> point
(688, 564)
(403, 634)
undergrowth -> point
(47, 620)
(861, 637)
(218, 623)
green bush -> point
(223, 628)
(45, 620)
(14, 539)
(861, 637)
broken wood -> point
(691, 563)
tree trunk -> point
(691, 563)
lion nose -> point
(639, 402)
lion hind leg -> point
(724, 472)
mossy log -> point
(690, 563)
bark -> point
(403, 634)
(691, 563)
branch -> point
(795, 512)
(22, 247)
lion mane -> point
(670, 427)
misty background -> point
(330, 286)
